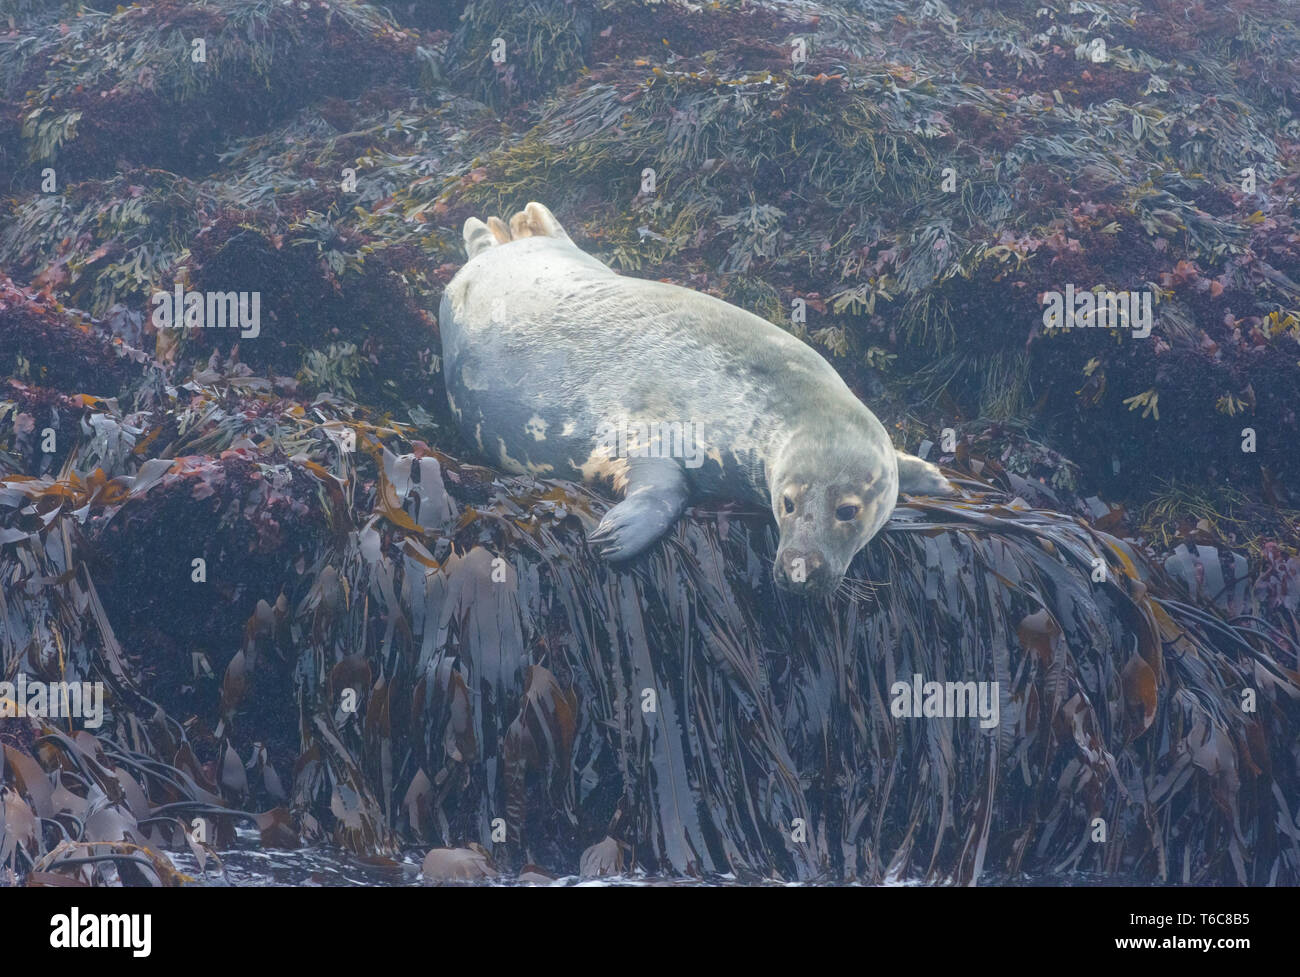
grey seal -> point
(557, 366)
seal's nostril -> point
(800, 568)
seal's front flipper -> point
(656, 495)
(918, 477)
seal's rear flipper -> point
(519, 226)
(499, 230)
(918, 477)
(656, 495)
(536, 220)
(478, 237)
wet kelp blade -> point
(433, 656)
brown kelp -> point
(459, 656)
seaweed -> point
(496, 669)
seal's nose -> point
(801, 569)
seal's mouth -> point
(805, 589)
(804, 572)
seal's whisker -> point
(847, 589)
(863, 590)
(873, 584)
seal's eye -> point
(846, 512)
(787, 503)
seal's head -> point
(829, 498)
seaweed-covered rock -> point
(461, 659)
(42, 343)
(183, 77)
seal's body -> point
(557, 366)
